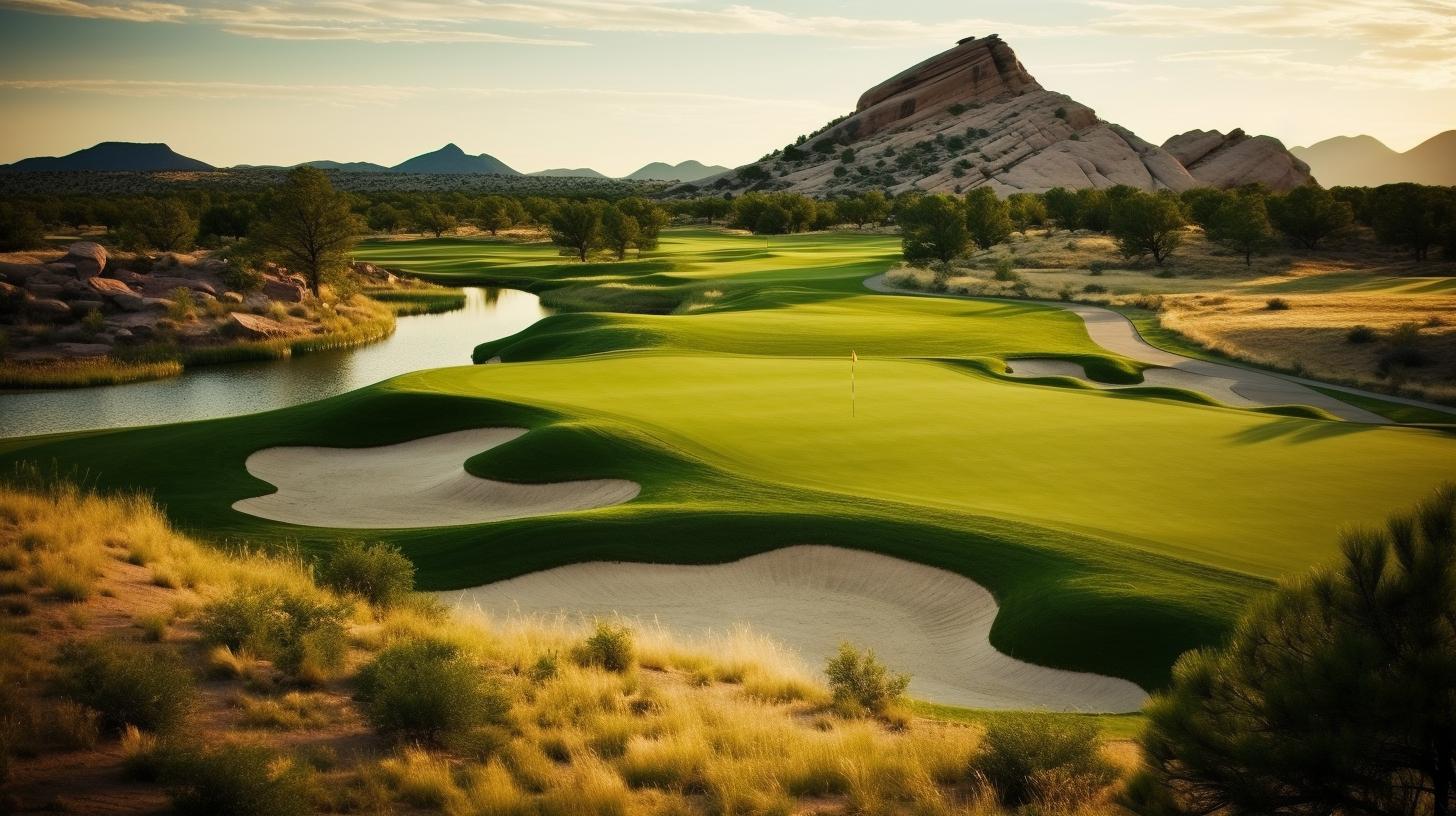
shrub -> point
(303, 636)
(543, 669)
(127, 683)
(181, 306)
(378, 573)
(1020, 752)
(426, 689)
(1094, 289)
(235, 780)
(860, 680)
(1276, 304)
(1360, 335)
(609, 647)
(242, 277)
(1005, 270)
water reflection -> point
(424, 341)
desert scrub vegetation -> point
(443, 712)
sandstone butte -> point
(974, 116)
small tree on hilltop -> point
(309, 225)
(1146, 224)
(577, 227)
(988, 218)
(1335, 694)
(933, 228)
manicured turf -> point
(1115, 530)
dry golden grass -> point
(727, 724)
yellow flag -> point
(853, 358)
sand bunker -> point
(1219, 388)
(421, 483)
(926, 621)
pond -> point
(419, 342)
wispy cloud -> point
(1409, 43)
(439, 21)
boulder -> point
(287, 290)
(255, 327)
(88, 259)
(19, 273)
(48, 309)
(46, 290)
(1216, 160)
(164, 285)
(109, 287)
(231, 297)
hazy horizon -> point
(616, 84)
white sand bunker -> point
(1219, 388)
(421, 483)
(929, 622)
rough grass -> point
(583, 740)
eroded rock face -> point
(973, 116)
(1216, 160)
(86, 258)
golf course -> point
(728, 395)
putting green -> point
(1116, 530)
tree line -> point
(1150, 225)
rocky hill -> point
(1364, 161)
(451, 159)
(974, 116)
(690, 170)
(112, 156)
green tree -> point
(650, 218)
(988, 218)
(1147, 224)
(162, 224)
(492, 214)
(1061, 207)
(19, 228)
(577, 227)
(1203, 203)
(385, 217)
(1334, 693)
(934, 229)
(309, 225)
(1026, 210)
(1309, 215)
(434, 219)
(712, 208)
(620, 232)
(1410, 215)
(1242, 223)
(1094, 209)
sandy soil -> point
(1222, 389)
(420, 483)
(926, 621)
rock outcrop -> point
(1216, 160)
(974, 116)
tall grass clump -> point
(304, 634)
(129, 684)
(609, 648)
(427, 690)
(235, 780)
(860, 682)
(1025, 756)
(379, 573)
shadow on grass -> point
(1297, 430)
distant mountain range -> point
(135, 156)
(139, 157)
(1364, 161)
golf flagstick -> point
(853, 361)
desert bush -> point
(1094, 289)
(1020, 753)
(1276, 304)
(1098, 267)
(543, 669)
(378, 573)
(426, 689)
(304, 636)
(235, 780)
(1404, 349)
(609, 647)
(181, 306)
(1360, 335)
(1005, 270)
(127, 683)
(860, 681)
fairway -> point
(1115, 529)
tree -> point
(1242, 223)
(1146, 224)
(1203, 203)
(232, 220)
(1026, 210)
(162, 224)
(384, 217)
(493, 214)
(712, 208)
(1061, 207)
(19, 228)
(650, 219)
(431, 218)
(310, 225)
(876, 208)
(1094, 209)
(1409, 215)
(934, 229)
(1309, 215)
(620, 232)
(577, 227)
(988, 218)
(1334, 693)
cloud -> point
(133, 12)
(438, 21)
(1383, 43)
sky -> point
(614, 84)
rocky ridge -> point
(974, 116)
